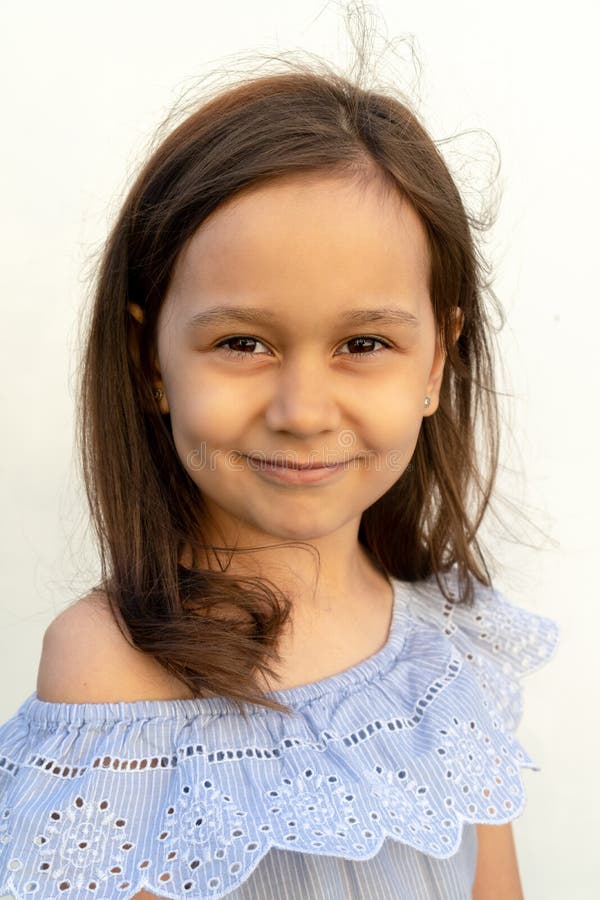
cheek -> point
(394, 416)
(204, 409)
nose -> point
(302, 400)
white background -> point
(83, 88)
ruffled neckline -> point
(410, 744)
(343, 682)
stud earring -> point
(427, 401)
(158, 394)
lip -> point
(287, 474)
(285, 465)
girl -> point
(288, 352)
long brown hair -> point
(303, 118)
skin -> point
(308, 249)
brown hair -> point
(305, 118)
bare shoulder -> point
(86, 658)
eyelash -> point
(359, 337)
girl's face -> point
(314, 372)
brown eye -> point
(240, 341)
(356, 341)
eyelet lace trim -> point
(85, 814)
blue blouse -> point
(371, 790)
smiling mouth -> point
(287, 465)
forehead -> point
(323, 241)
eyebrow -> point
(222, 315)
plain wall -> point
(83, 88)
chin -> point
(307, 530)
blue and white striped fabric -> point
(371, 790)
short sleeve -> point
(501, 641)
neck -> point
(320, 586)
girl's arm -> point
(144, 895)
(497, 870)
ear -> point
(136, 311)
(133, 333)
(459, 321)
(133, 343)
(439, 360)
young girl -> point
(295, 678)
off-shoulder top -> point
(371, 790)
